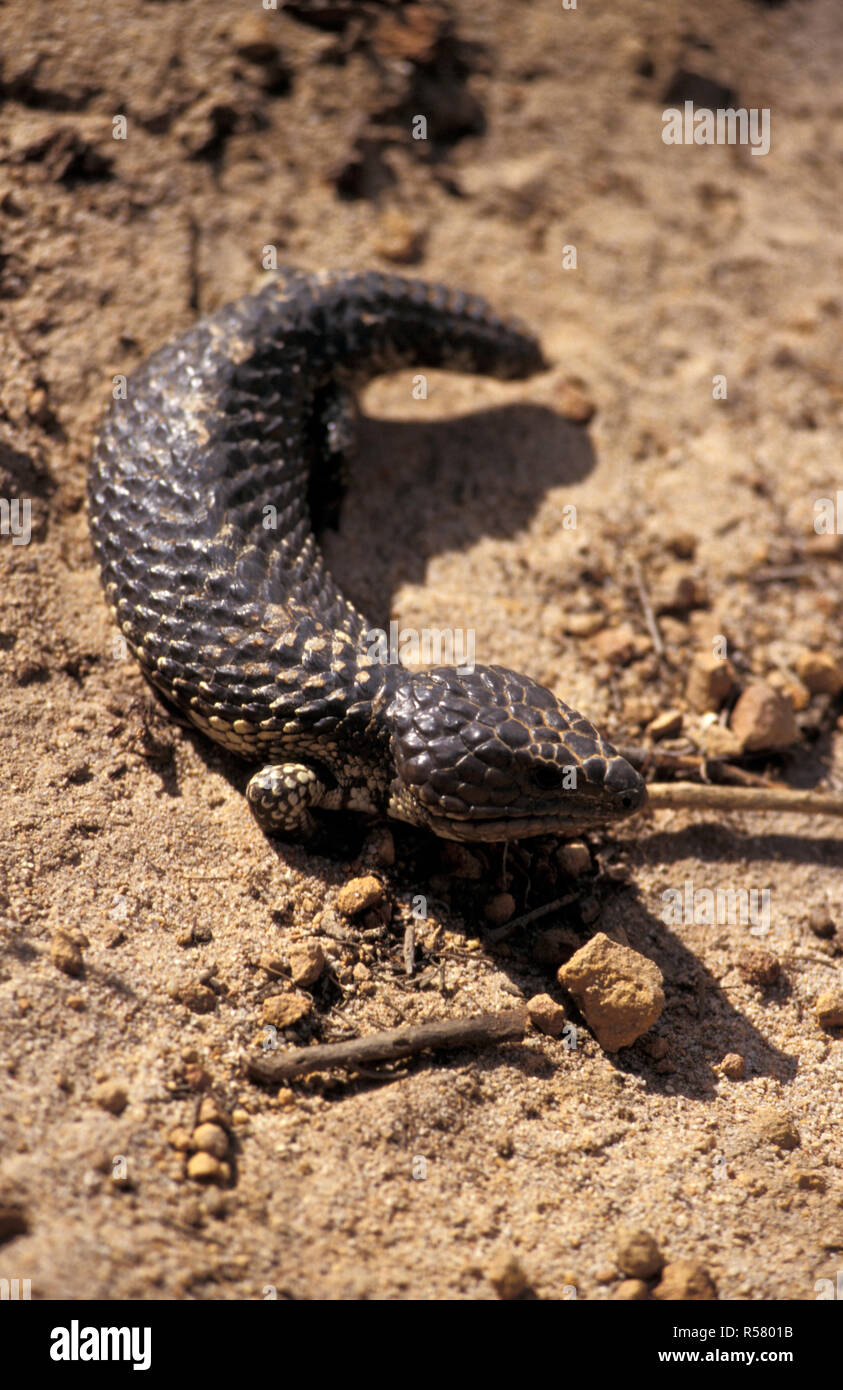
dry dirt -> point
(128, 853)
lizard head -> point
(491, 755)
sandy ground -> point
(128, 853)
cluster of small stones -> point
(207, 1149)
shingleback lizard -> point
(236, 620)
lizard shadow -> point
(455, 482)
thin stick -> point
(501, 933)
(670, 795)
(647, 607)
(664, 761)
(410, 946)
(390, 1045)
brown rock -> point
(763, 719)
(285, 1010)
(631, 1290)
(809, 1180)
(821, 922)
(66, 953)
(733, 1066)
(397, 238)
(759, 967)
(618, 991)
(574, 858)
(546, 1015)
(211, 1139)
(13, 1221)
(212, 1113)
(719, 742)
(678, 589)
(638, 1254)
(307, 961)
(829, 1008)
(499, 909)
(111, 1096)
(820, 672)
(252, 38)
(359, 894)
(200, 999)
(711, 681)
(683, 544)
(776, 1127)
(204, 1167)
(573, 403)
(507, 1275)
(666, 725)
(616, 644)
(686, 1280)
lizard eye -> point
(547, 777)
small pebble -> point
(678, 590)
(809, 1180)
(616, 645)
(631, 1290)
(829, 1008)
(196, 997)
(759, 967)
(252, 38)
(776, 1127)
(66, 953)
(574, 858)
(13, 1221)
(359, 894)
(711, 681)
(307, 961)
(504, 1144)
(733, 1066)
(507, 1276)
(203, 1167)
(499, 909)
(285, 1010)
(821, 923)
(666, 725)
(211, 1139)
(179, 1139)
(820, 672)
(763, 719)
(546, 1015)
(212, 1113)
(397, 238)
(686, 1280)
(111, 1096)
(572, 403)
(638, 1254)
(719, 742)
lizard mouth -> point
(487, 823)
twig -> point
(647, 608)
(670, 795)
(501, 933)
(390, 1045)
(410, 946)
(663, 760)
